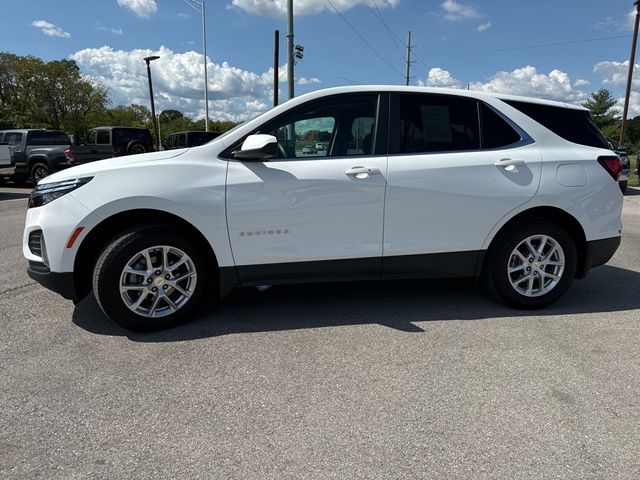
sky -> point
(561, 49)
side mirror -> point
(257, 147)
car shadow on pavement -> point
(632, 191)
(14, 195)
(395, 304)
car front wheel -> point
(532, 265)
(149, 279)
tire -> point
(134, 148)
(506, 275)
(152, 302)
(38, 172)
(623, 186)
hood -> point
(93, 168)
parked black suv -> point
(106, 142)
(188, 139)
(35, 152)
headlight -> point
(48, 192)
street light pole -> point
(153, 107)
(630, 73)
(201, 11)
(290, 74)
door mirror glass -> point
(257, 147)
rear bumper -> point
(61, 283)
(599, 252)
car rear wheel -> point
(135, 148)
(149, 279)
(38, 172)
(532, 265)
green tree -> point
(601, 106)
(54, 94)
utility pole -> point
(409, 57)
(156, 132)
(290, 47)
(206, 80)
(630, 74)
(276, 66)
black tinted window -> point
(127, 135)
(40, 138)
(496, 132)
(571, 124)
(438, 123)
(60, 138)
(103, 137)
(200, 138)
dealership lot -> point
(374, 380)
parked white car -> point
(415, 182)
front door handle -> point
(510, 164)
(362, 172)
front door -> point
(309, 212)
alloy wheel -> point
(158, 281)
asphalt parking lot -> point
(388, 380)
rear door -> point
(449, 182)
(312, 215)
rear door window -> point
(496, 132)
(60, 138)
(40, 138)
(438, 123)
(103, 137)
(13, 138)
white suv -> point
(414, 183)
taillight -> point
(612, 165)
(69, 154)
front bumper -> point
(61, 283)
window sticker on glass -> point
(436, 123)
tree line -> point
(39, 94)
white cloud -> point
(631, 18)
(142, 8)
(50, 29)
(455, 11)
(438, 77)
(483, 27)
(634, 105)
(115, 31)
(615, 73)
(556, 85)
(619, 22)
(234, 94)
(581, 82)
(278, 8)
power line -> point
(527, 47)
(365, 41)
(381, 19)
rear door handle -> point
(362, 172)
(510, 164)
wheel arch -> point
(556, 215)
(102, 233)
(31, 161)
